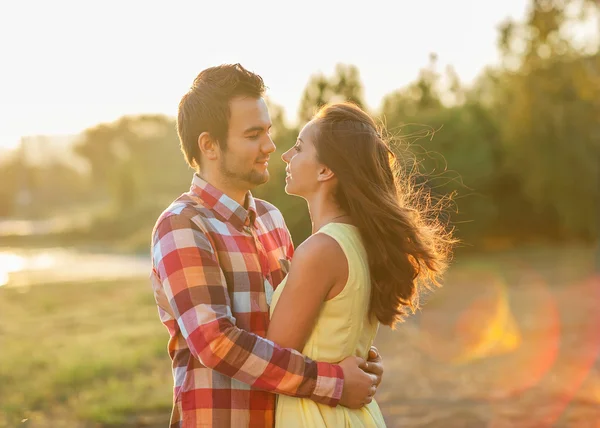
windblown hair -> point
(407, 246)
(205, 107)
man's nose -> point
(269, 146)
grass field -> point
(512, 340)
(85, 354)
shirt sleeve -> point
(284, 234)
(185, 262)
(288, 243)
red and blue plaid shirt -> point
(214, 267)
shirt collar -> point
(223, 205)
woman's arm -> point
(318, 267)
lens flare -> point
(487, 327)
(535, 341)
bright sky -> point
(70, 65)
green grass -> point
(85, 354)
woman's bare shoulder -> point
(320, 251)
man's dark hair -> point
(205, 107)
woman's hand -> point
(374, 365)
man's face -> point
(245, 160)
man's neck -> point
(238, 195)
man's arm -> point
(193, 281)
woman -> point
(362, 266)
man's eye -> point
(254, 136)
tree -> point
(548, 104)
(455, 146)
(344, 85)
(135, 158)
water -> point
(27, 267)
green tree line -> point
(519, 148)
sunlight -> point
(9, 142)
(66, 107)
(55, 265)
(9, 262)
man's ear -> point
(209, 147)
(325, 174)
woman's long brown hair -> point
(407, 246)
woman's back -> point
(343, 329)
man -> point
(216, 255)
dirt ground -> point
(509, 341)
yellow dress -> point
(342, 329)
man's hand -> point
(374, 365)
(359, 386)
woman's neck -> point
(323, 211)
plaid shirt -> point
(214, 267)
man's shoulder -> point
(264, 207)
(269, 213)
(184, 209)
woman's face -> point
(302, 168)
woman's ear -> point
(325, 174)
(209, 148)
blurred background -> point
(500, 105)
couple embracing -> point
(262, 334)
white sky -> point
(69, 65)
